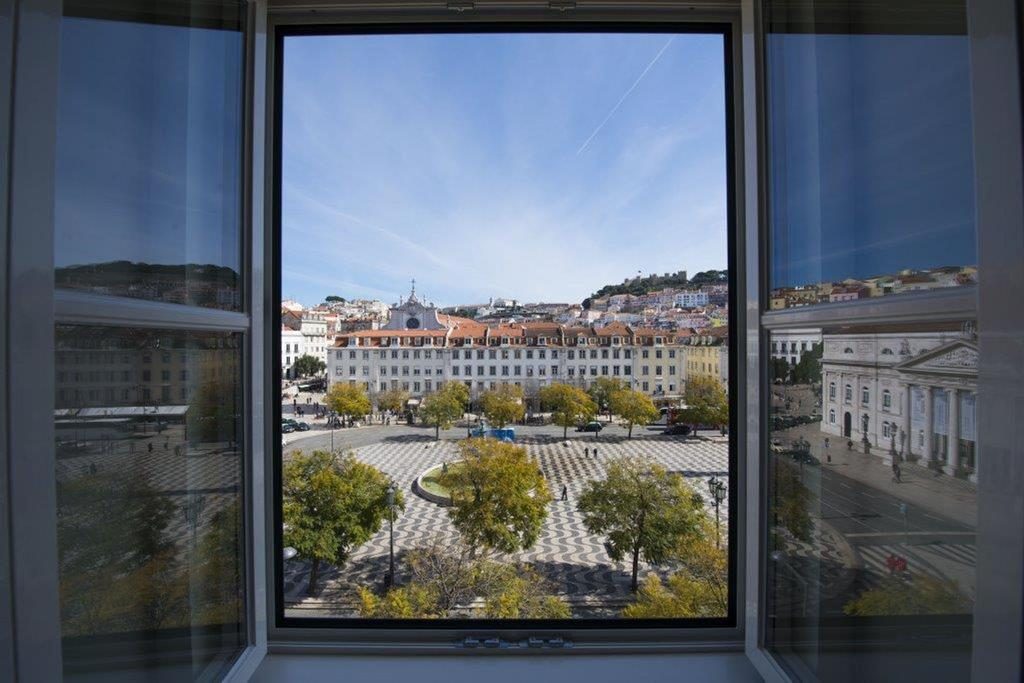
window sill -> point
(732, 667)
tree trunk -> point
(437, 432)
(565, 432)
(630, 431)
(314, 574)
(636, 567)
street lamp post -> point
(718, 492)
(392, 490)
(330, 417)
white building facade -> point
(421, 348)
(791, 345)
(908, 393)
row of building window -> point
(865, 395)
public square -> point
(573, 560)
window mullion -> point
(74, 307)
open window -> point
(422, 174)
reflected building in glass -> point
(904, 394)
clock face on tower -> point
(412, 323)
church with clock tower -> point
(412, 314)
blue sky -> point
(149, 146)
(535, 166)
(872, 163)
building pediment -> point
(958, 357)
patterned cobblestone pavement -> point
(572, 559)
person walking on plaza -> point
(565, 492)
(586, 451)
(896, 474)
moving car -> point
(592, 426)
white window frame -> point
(29, 618)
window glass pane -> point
(870, 150)
(149, 476)
(549, 469)
(873, 506)
(148, 197)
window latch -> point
(561, 5)
(461, 5)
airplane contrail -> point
(625, 95)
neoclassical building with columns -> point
(912, 392)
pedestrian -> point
(849, 445)
(897, 474)
(586, 451)
(595, 451)
(565, 492)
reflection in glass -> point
(149, 506)
(149, 155)
(873, 500)
(869, 133)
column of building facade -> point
(953, 432)
(908, 409)
(929, 424)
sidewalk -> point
(938, 493)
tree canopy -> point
(332, 504)
(644, 510)
(306, 365)
(791, 500)
(808, 369)
(348, 399)
(569, 405)
(901, 594)
(393, 400)
(444, 407)
(635, 407)
(699, 587)
(499, 496)
(706, 403)
(503, 405)
(602, 389)
(446, 580)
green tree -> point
(458, 391)
(440, 410)
(519, 592)
(900, 594)
(499, 496)
(568, 405)
(635, 407)
(331, 298)
(446, 581)
(602, 389)
(332, 504)
(791, 501)
(120, 569)
(348, 400)
(644, 510)
(808, 370)
(706, 403)
(213, 412)
(393, 400)
(406, 602)
(306, 365)
(503, 405)
(780, 369)
(698, 588)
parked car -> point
(593, 426)
(296, 425)
(677, 430)
(287, 428)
